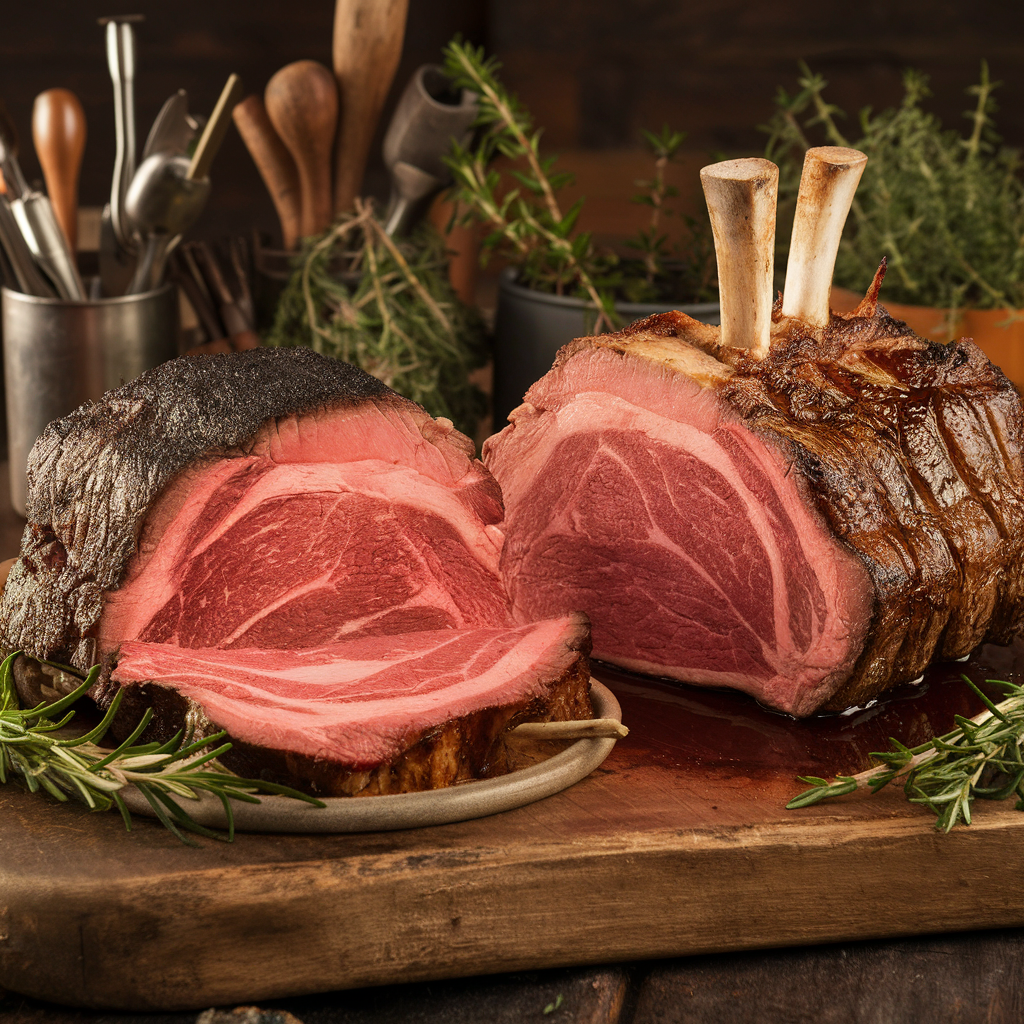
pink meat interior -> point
(349, 523)
(635, 495)
(360, 701)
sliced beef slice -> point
(365, 716)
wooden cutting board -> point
(679, 844)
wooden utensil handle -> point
(368, 37)
(274, 162)
(59, 131)
(215, 130)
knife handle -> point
(274, 162)
(58, 131)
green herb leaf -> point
(32, 752)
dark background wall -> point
(593, 71)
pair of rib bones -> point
(742, 197)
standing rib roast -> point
(806, 506)
(275, 543)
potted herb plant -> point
(558, 284)
(946, 209)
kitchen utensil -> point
(14, 180)
(120, 42)
(58, 132)
(275, 164)
(162, 202)
(367, 45)
(117, 264)
(182, 269)
(237, 326)
(171, 131)
(429, 116)
(302, 104)
(215, 129)
(241, 263)
(23, 266)
(49, 247)
(58, 354)
(168, 192)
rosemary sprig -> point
(981, 757)
(387, 306)
(946, 209)
(526, 224)
(33, 750)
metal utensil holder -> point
(59, 354)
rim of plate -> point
(461, 802)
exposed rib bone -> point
(741, 197)
(827, 185)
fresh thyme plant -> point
(946, 209)
(526, 222)
(981, 757)
(33, 750)
(666, 270)
(386, 305)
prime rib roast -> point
(225, 528)
(806, 506)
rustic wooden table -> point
(964, 977)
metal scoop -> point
(428, 117)
(163, 203)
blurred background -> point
(593, 72)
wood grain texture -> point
(275, 164)
(367, 46)
(302, 103)
(58, 133)
(652, 860)
(970, 979)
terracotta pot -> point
(1000, 340)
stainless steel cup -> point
(59, 354)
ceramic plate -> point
(413, 810)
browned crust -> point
(912, 453)
(462, 749)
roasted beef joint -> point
(806, 506)
(279, 532)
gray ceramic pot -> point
(530, 327)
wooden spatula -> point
(302, 104)
(58, 131)
(368, 37)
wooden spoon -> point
(275, 164)
(58, 131)
(368, 37)
(302, 104)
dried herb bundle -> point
(33, 750)
(983, 757)
(946, 209)
(386, 305)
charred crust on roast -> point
(94, 474)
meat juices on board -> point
(806, 506)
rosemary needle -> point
(980, 758)
(34, 750)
